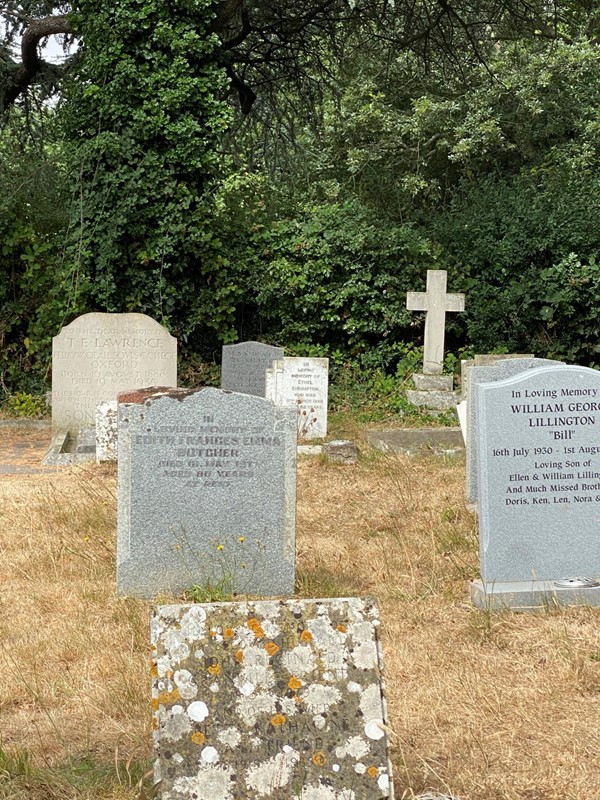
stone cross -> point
(435, 302)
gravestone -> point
(539, 488)
(484, 360)
(270, 700)
(107, 432)
(243, 366)
(207, 487)
(302, 383)
(498, 371)
(99, 355)
(436, 303)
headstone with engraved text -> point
(270, 700)
(99, 355)
(302, 383)
(207, 486)
(539, 485)
(243, 366)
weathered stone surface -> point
(539, 475)
(77, 447)
(529, 595)
(433, 383)
(270, 700)
(243, 366)
(499, 370)
(342, 451)
(418, 441)
(438, 401)
(485, 360)
(436, 303)
(98, 355)
(207, 489)
(106, 432)
(302, 383)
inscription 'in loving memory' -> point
(553, 474)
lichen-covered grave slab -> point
(277, 699)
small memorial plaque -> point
(304, 384)
(270, 699)
(539, 475)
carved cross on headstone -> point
(435, 302)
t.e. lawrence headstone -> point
(98, 355)
(270, 700)
(539, 476)
(243, 366)
(207, 487)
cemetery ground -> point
(481, 706)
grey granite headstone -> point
(243, 366)
(270, 700)
(501, 369)
(539, 477)
(207, 488)
(99, 355)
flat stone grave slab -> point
(99, 355)
(278, 700)
(539, 476)
(499, 370)
(418, 441)
(207, 493)
(243, 366)
(23, 444)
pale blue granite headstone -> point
(207, 493)
(539, 475)
(474, 375)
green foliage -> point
(211, 592)
(144, 120)
(23, 404)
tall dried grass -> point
(484, 707)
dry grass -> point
(503, 707)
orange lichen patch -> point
(297, 698)
(214, 669)
(154, 671)
(373, 772)
(277, 719)
(155, 703)
(306, 636)
(198, 738)
(319, 758)
(228, 633)
(342, 628)
(212, 633)
(294, 683)
(239, 656)
(164, 698)
(256, 628)
(154, 724)
(272, 648)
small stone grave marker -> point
(270, 700)
(243, 366)
(302, 383)
(99, 355)
(499, 370)
(207, 487)
(539, 484)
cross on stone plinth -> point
(435, 302)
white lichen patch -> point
(186, 684)
(324, 792)
(374, 729)
(209, 755)
(301, 660)
(370, 702)
(212, 781)
(384, 784)
(174, 723)
(230, 737)
(198, 711)
(319, 698)
(364, 655)
(264, 778)
(193, 624)
(356, 747)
